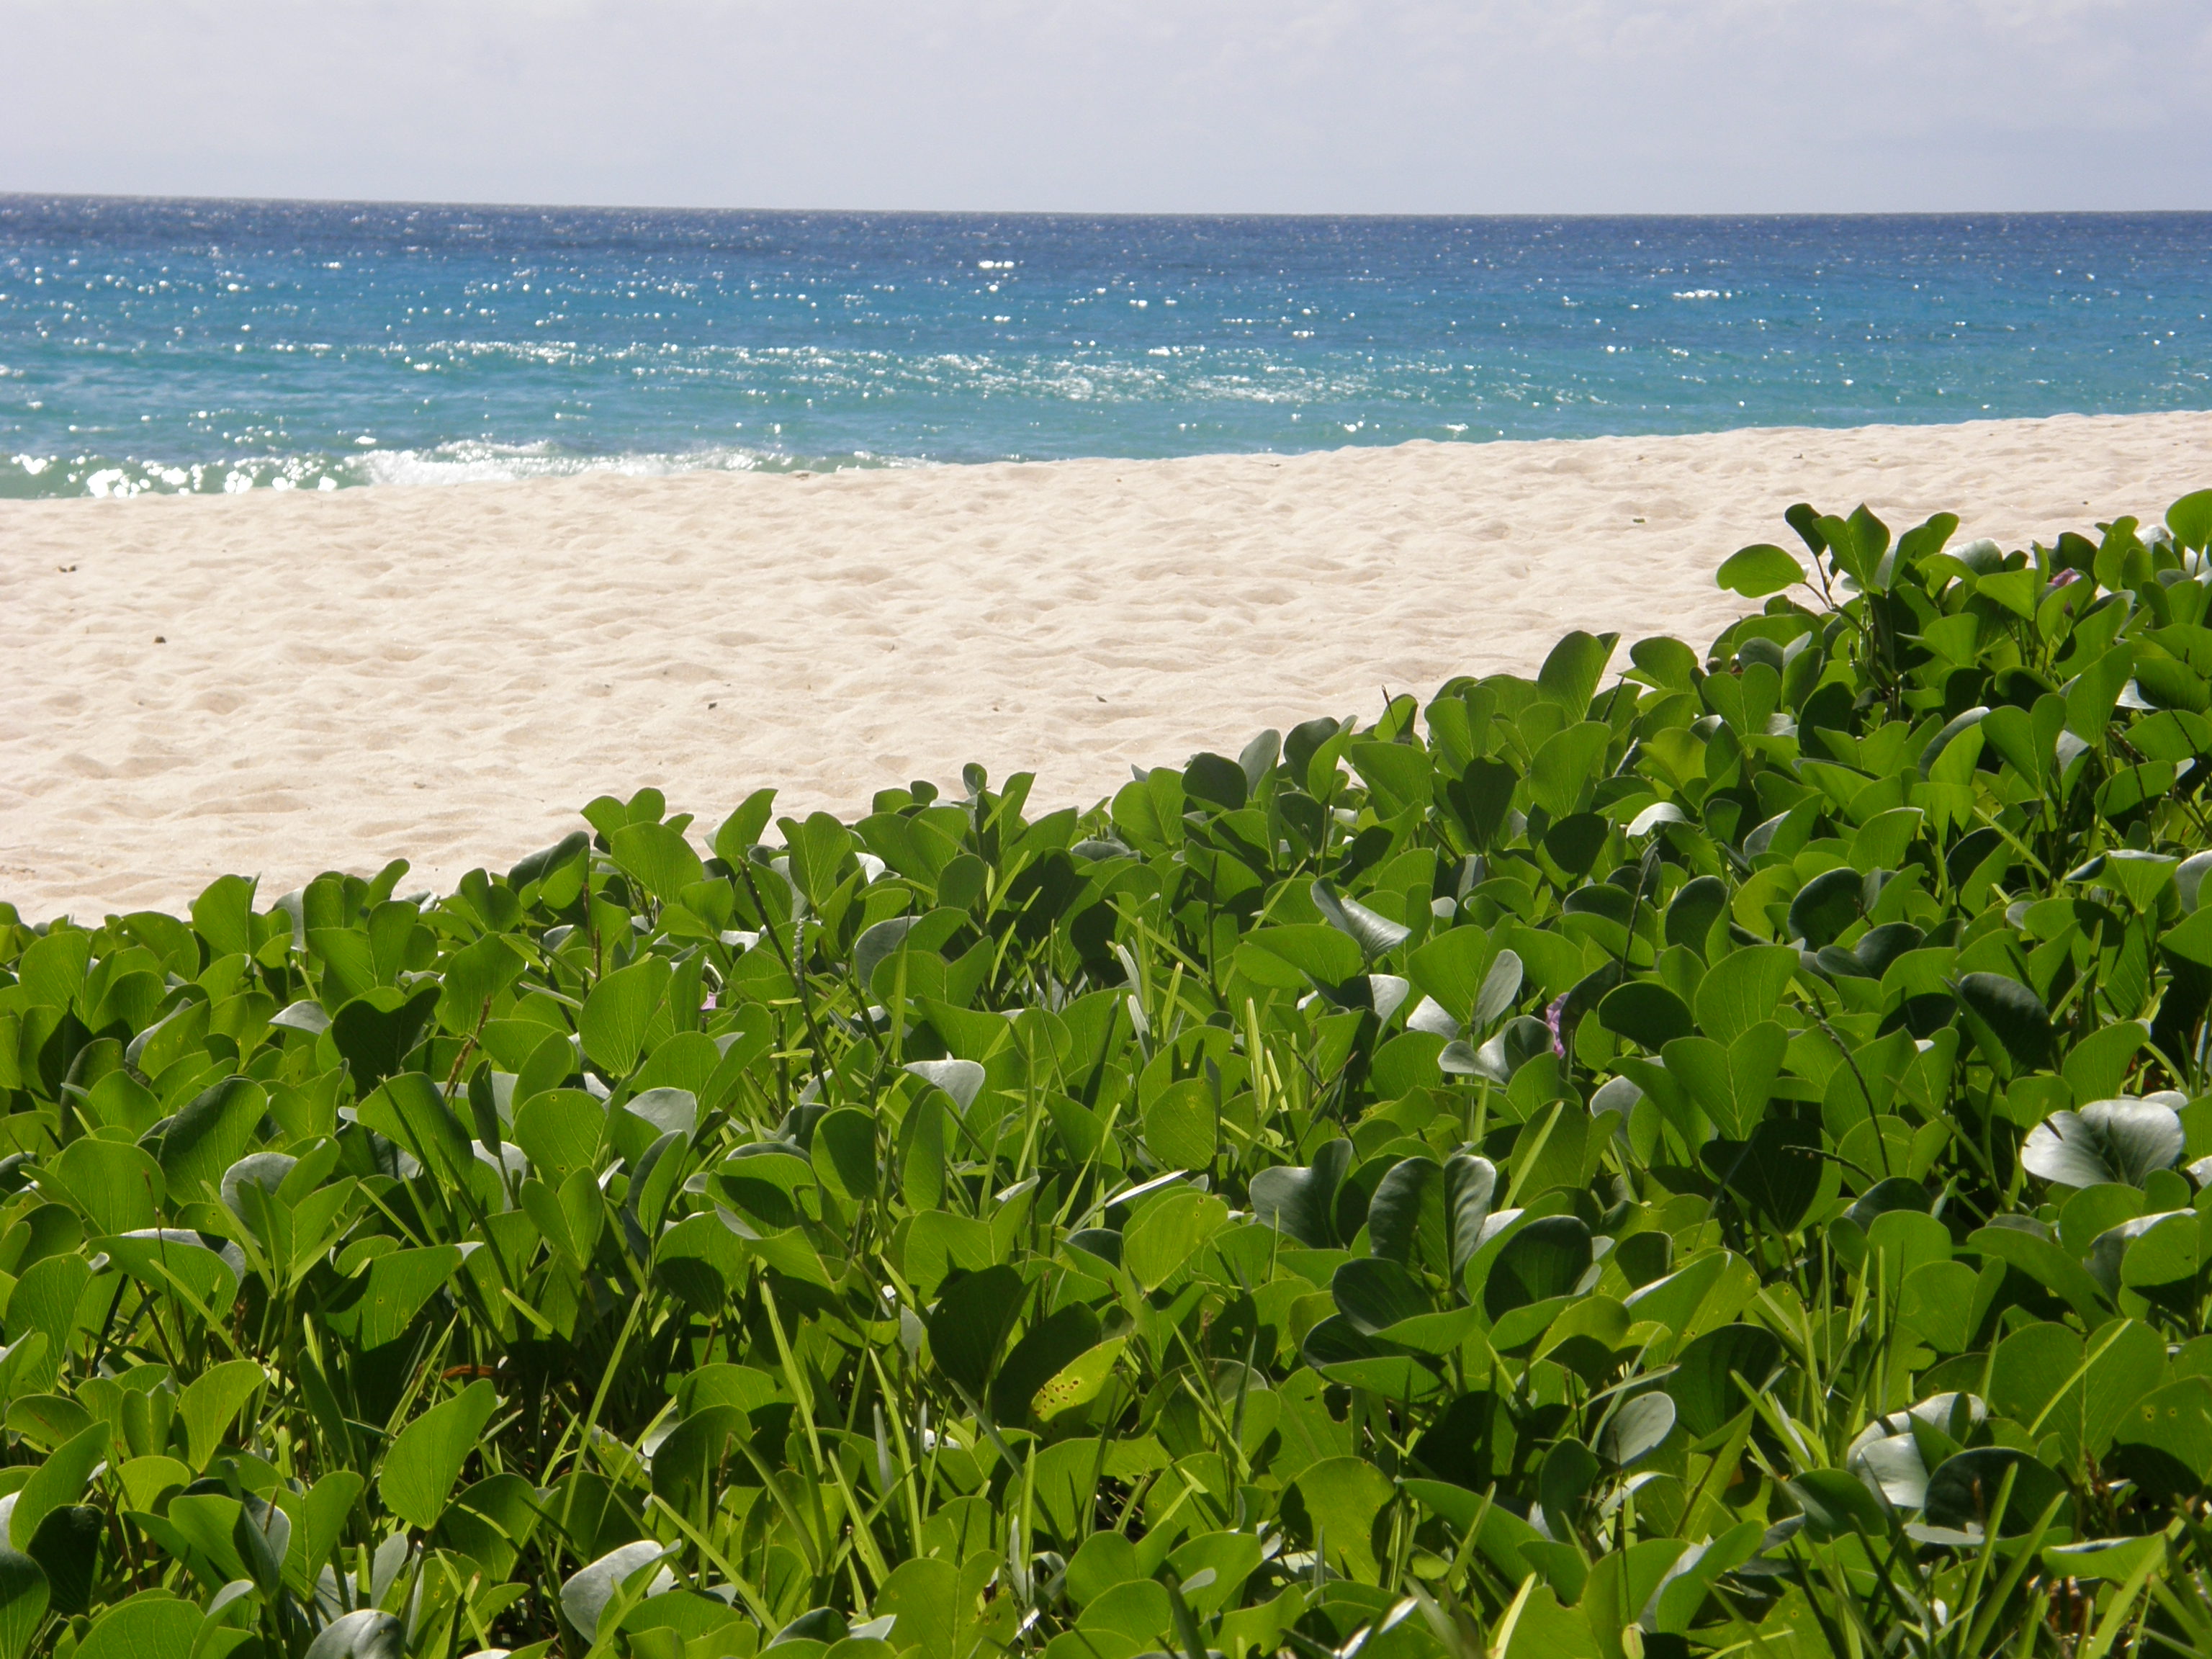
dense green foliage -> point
(1711, 1162)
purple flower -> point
(2066, 578)
(1551, 1019)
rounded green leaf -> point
(154, 1624)
(1573, 668)
(1646, 1013)
(1965, 1492)
(585, 1597)
(1163, 1236)
(1825, 906)
(1758, 570)
(2013, 1014)
(2164, 1441)
(1694, 909)
(1301, 1200)
(969, 1323)
(1375, 935)
(1834, 1502)
(1743, 989)
(2189, 519)
(1546, 1258)
(1636, 1428)
(2108, 1140)
(1407, 1211)
(1342, 1497)
(1704, 1384)
(616, 1012)
(1374, 1294)
(427, 1458)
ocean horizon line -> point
(1258, 214)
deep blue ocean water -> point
(224, 345)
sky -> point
(1121, 105)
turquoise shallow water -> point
(170, 345)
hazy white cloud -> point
(1436, 105)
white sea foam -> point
(463, 461)
(477, 462)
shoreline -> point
(447, 674)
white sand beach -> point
(275, 684)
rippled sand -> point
(278, 684)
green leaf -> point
(741, 831)
(560, 1132)
(1704, 1385)
(1636, 1428)
(1566, 765)
(1964, 1489)
(1572, 671)
(1824, 907)
(2096, 1065)
(1307, 952)
(969, 1324)
(612, 1581)
(1695, 908)
(152, 1625)
(844, 1152)
(2108, 1140)
(1375, 1294)
(408, 1110)
(1545, 1259)
(922, 1597)
(1301, 1200)
(57, 1481)
(1398, 777)
(2013, 1014)
(117, 1186)
(1168, 1232)
(2155, 1254)
(1758, 570)
(1182, 1128)
(1744, 988)
(23, 1596)
(2164, 1441)
(618, 1013)
(212, 1402)
(2047, 1265)
(1407, 1212)
(2141, 876)
(474, 975)
(1470, 1184)
(207, 1137)
(223, 916)
(1342, 1497)
(1668, 663)
(424, 1462)
(1501, 989)
(549, 865)
(819, 848)
(658, 856)
(1645, 1012)
(1375, 935)
(490, 1523)
(375, 1031)
(2189, 519)
(1451, 966)
(392, 1293)
(2111, 1560)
